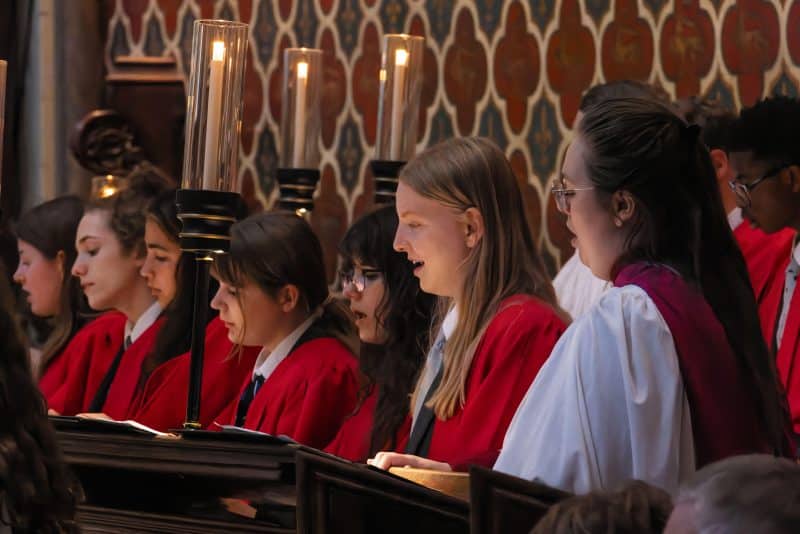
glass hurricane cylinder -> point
(400, 88)
(214, 105)
(300, 117)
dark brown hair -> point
(405, 313)
(50, 227)
(636, 509)
(642, 147)
(278, 248)
(37, 491)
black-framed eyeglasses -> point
(743, 191)
(561, 194)
(359, 278)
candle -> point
(213, 113)
(398, 103)
(298, 157)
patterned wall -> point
(512, 70)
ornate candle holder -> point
(298, 171)
(398, 111)
(208, 201)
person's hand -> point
(100, 416)
(51, 411)
(385, 460)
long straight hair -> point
(472, 172)
(642, 147)
(50, 228)
(404, 313)
(278, 248)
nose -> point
(349, 291)
(400, 242)
(147, 270)
(19, 277)
(216, 302)
(78, 268)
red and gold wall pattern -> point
(513, 70)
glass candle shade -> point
(300, 116)
(398, 107)
(214, 105)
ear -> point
(721, 167)
(623, 207)
(474, 227)
(288, 297)
(793, 178)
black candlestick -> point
(297, 188)
(385, 174)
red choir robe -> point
(769, 308)
(161, 403)
(122, 392)
(307, 396)
(513, 348)
(766, 256)
(724, 420)
(352, 440)
(72, 378)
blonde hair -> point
(472, 172)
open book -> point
(99, 423)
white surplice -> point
(608, 405)
(577, 288)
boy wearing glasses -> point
(765, 158)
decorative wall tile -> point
(513, 70)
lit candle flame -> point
(401, 57)
(302, 70)
(218, 51)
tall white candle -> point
(398, 104)
(213, 113)
(298, 159)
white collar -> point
(796, 249)
(145, 321)
(735, 218)
(449, 323)
(268, 361)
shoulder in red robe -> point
(513, 348)
(122, 391)
(83, 363)
(352, 440)
(162, 402)
(308, 395)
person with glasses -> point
(576, 287)
(463, 227)
(762, 252)
(273, 293)
(668, 371)
(765, 156)
(393, 317)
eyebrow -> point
(156, 245)
(87, 237)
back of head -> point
(742, 494)
(50, 227)
(127, 209)
(472, 172)
(621, 89)
(636, 509)
(715, 120)
(642, 147)
(769, 129)
(278, 248)
(405, 313)
(37, 492)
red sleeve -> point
(352, 439)
(87, 358)
(54, 374)
(314, 412)
(514, 347)
(162, 402)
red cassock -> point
(767, 256)
(514, 347)
(161, 404)
(307, 396)
(122, 391)
(73, 376)
(352, 440)
(769, 307)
